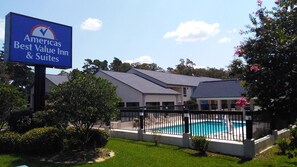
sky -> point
(146, 31)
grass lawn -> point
(145, 154)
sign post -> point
(39, 43)
(39, 88)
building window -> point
(168, 105)
(132, 104)
(152, 105)
(185, 92)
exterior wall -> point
(267, 141)
(219, 146)
(189, 91)
(160, 98)
(247, 149)
(125, 92)
(181, 98)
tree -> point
(84, 100)
(236, 68)
(187, 67)
(119, 66)
(92, 66)
(147, 66)
(63, 72)
(11, 99)
(270, 52)
(17, 74)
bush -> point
(49, 118)
(98, 138)
(41, 141)
(9, 142)
(200, 143)
(11, 99)
(20, 121)
(85, 139)
(283, 145)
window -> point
(132, 104)
(168, 105)
(152, 105)
(224, 104)
(185, 92)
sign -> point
(37, 42)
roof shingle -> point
(219, 89)
(138, 83)
(171, 79)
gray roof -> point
(56, 79)
(219, 89)
(169, 78)
(138, 83)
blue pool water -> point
(201, 128)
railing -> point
(221, 125)
(176, 120)
(167, 122)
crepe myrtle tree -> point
(84, 100)
(270, 55)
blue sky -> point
(147, 31)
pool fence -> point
(237, 130)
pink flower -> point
(259, 2)
(239, 51)
(255, 67)
(277, 2)
(242, 102)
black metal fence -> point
(221, 125)
(176, 120)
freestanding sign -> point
(40, 43)
(37, 42)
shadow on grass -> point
(198, 154)
(35, 161)
(151, 144)
(244, 160)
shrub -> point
(283, 145)
(49, 118)
(85, 138)
(20, 121)
(11, 99)
(9, 142)
(98, 138)
(72, 138)
(200, 143)
(41, 141)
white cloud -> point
(2, 28)
(142, 59)
(225, 40)
(194, 30)
(91, 24)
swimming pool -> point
(201, 128)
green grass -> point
(145, 154)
